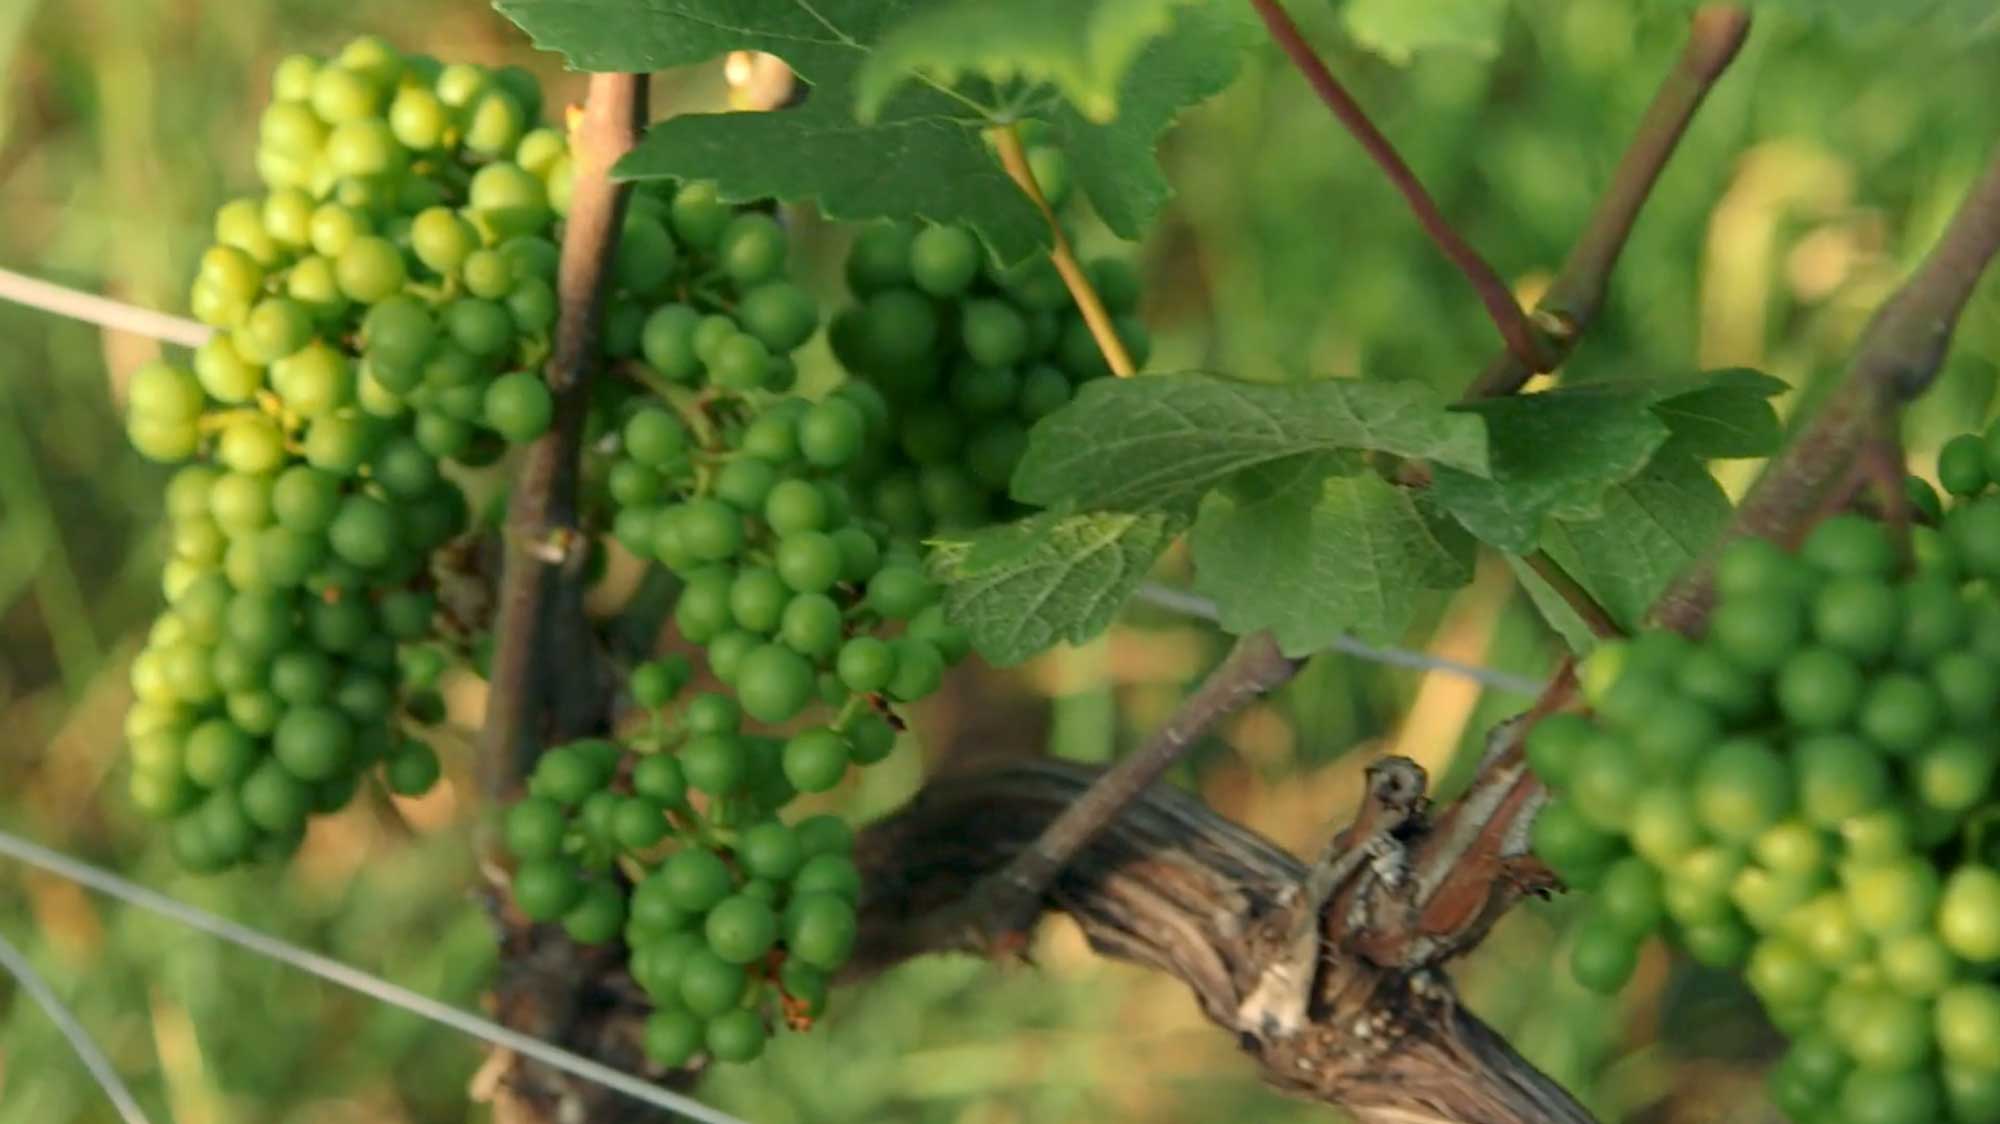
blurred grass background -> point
(1809, 183)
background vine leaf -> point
(1081, 48)
(1161, 442)
(1021, 588)
(859, 169)
(1310, 558)
(1398, 30)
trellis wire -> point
(354, 979)
(102, 311)
(1195, 605)
(15, 964)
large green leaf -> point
(921, 152)
(1556, 453)
(1080, 47)
(1652, 527)
(1020, 588)
(1161, 442)
(1113, 161)
(1311, 557)
(1553, 453)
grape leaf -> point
(1310, 557)
(1080, 47)
(1725, 416)
(1020, 588)
(1398, 29)
(1558, 613)
(921, 153)
(1113, 162)
(1161, 442)
(1652, 527)
(1556, 452)
(1552, 453)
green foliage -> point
(1162, 442)
(1311, 557)
(1020, 588)
(1649, 527)
(1555, 453)
(1082, 49)
(837, 160)
(1397, 30)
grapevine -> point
(1805, 795)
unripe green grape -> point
(712, 713)
(879, 258)
(314, 380)
(545, 889)
(510, 199)
(363, 149)
(667, 340)
(715, 763)
(369, 269)
(830, 433)
(811, 625)
(417, 119)
(519, 407)
(735, 1036)
(441, 239)
(1850, 546)
(412, 770)
(673, 1036)
(740, 362)
(944, 260)
(820, 929)
(744, 483)
(363, 532)
(292, 78)
(540, 149)
(757, 599)
(752, 248)
(1968, 917)
(774, 684)
(699, 215)
(532, 304)
(494, 124)
(313, 743)
(1044, 390)
(779, 313)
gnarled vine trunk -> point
(1173, 886)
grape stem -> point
(543, 680)
(1897, 359)
(1715, 35)
(1014, 157)
(1523, 342)
(1595, 616)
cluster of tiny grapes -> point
(811, 619)
(1806, 793)
(379, 311)
(966, 355)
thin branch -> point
(1013, 157)
(1493, 292)
(1573, 299)
(1003, 906)
(17, 965)
(1195, 605)
(102, 311)
(1897, 358)
(353, 979)
(543, 638)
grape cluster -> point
(672, 842)
(1806, 793)
(379, 311)
(811, 620)
(965, 357)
